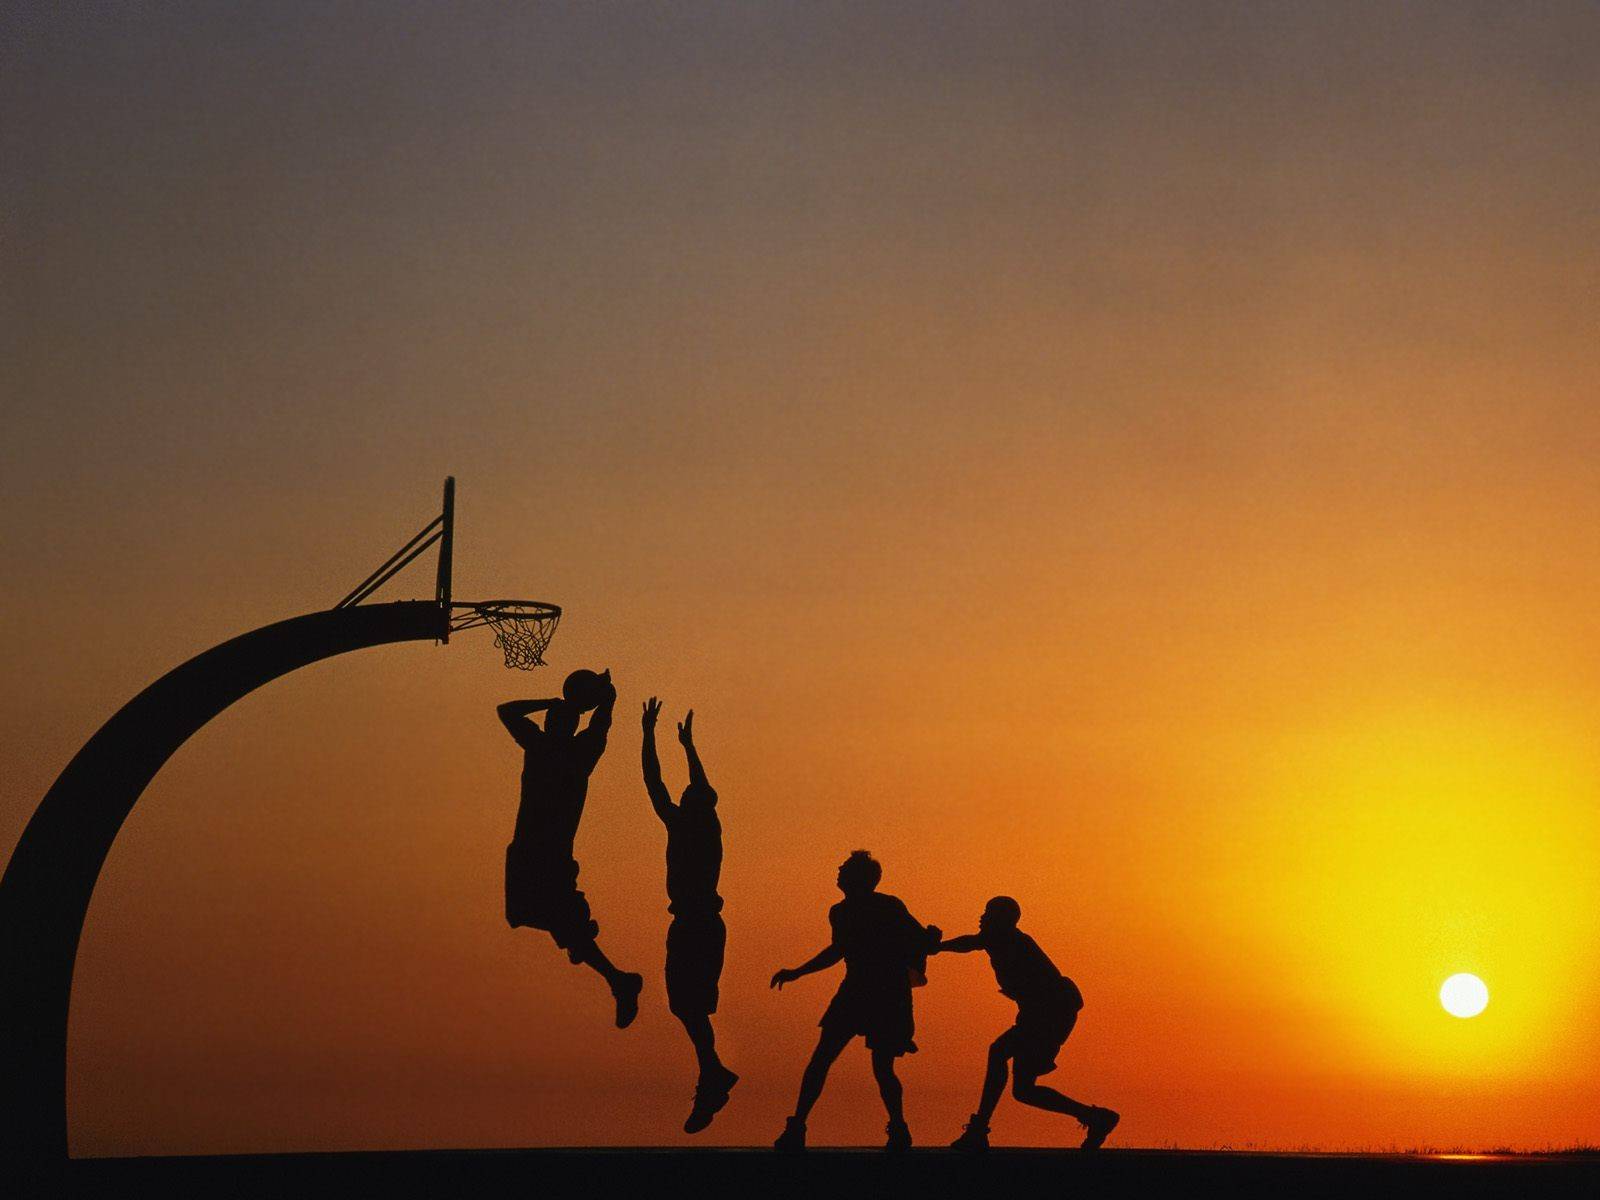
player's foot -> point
(793, 1138)
(626, 990)
(1099, 1123)
(975, 1138)
(709, 1098)
(899, 1137)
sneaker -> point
(1099, 1123)
(974, 1138)
(793, 1138)
(626, 990)
(899, 1137)
(709, 1099)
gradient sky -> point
(1136, 457)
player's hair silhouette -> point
(884, 950)
(1047, 1009)
(541, 873)
(697, 936)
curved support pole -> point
(45, 892)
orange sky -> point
(1134, 457)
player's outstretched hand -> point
(610, 687)
(686, 729)
(780, 978)
(652, 710)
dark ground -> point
(711, 1174)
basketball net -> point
(522, 638)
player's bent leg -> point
(1097, 1122)
(1025, 1086)
(625, 985)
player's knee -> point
(998, 1051)
(1024, 1088)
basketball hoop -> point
(522, 628)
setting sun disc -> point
(1464, 995)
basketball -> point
(585, 689)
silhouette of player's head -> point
(999, 915)
(859, 874)
(561, 720)
(699, 795)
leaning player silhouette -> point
(697, 937)
(541, 874)
(1047, 1009)
(884, 950)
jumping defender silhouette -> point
(697, 936)
(1047, 1009)
(884, 950)
(541, 873)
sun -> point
(1464, 995)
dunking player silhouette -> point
(1047, 1009)
(884, 950)
(541, 874)
(696, 938)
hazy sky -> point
(1136, 457)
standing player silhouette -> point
(884, 950)
(1047, 1009)
(541, 873)
(697, 936)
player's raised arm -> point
(515, 716)
(600, 720)
(697, 772)
(660, 798)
